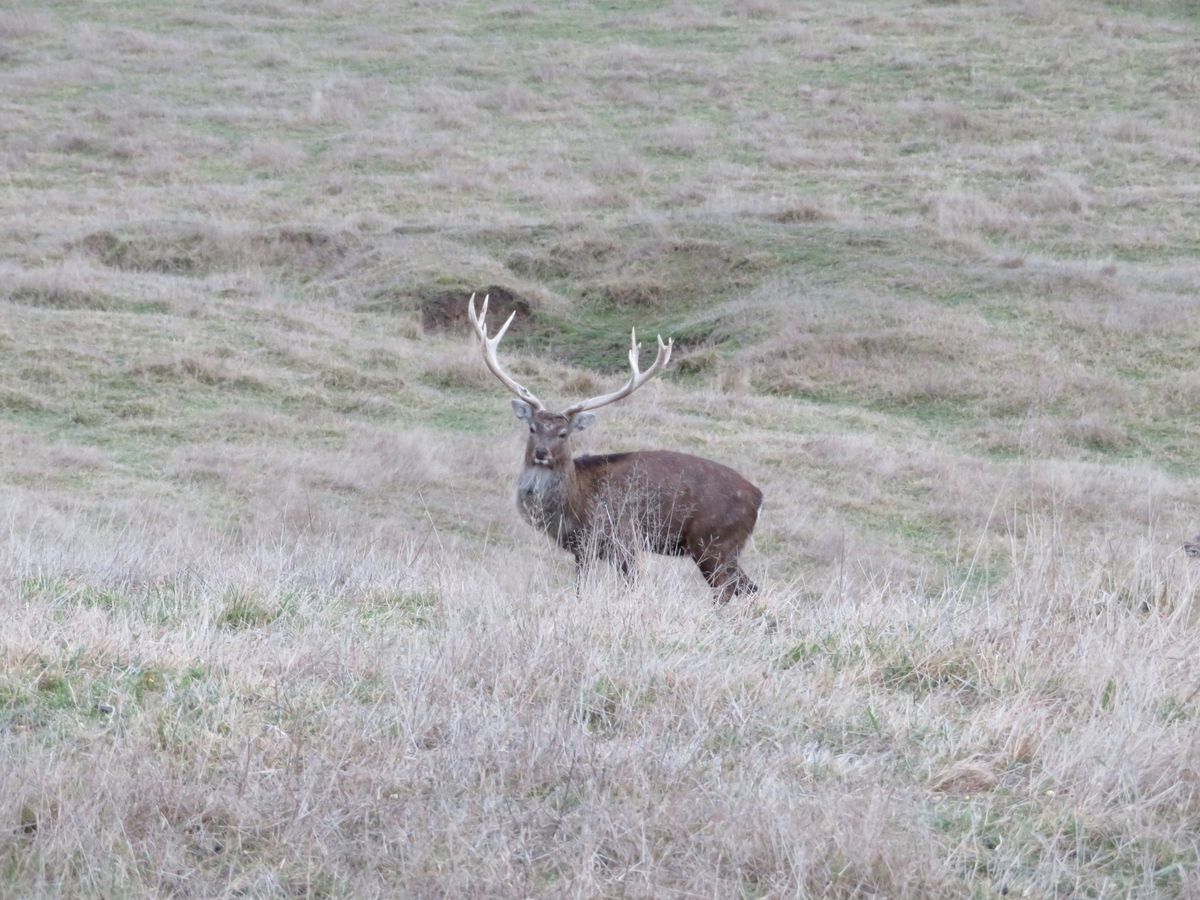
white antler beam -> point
(489, 351)
(636, 380)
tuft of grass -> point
(414, 608)
(242, 610)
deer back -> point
(670, 498)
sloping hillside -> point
(272, 624)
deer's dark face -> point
(549, 441)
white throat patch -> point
(541, 495)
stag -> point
(614, 505)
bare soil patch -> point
(446, 311)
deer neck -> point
(546, 497)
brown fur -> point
(614, 505)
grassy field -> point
(271, 626)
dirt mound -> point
(200, 249)
(642, 268)
(52, 296)
(447, 310)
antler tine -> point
(636, 380)
(478, 321)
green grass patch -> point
(245, 609)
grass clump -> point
(241, 610)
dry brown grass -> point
(272, 627)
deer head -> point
(549, 432)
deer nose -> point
(541, 453)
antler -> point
(636, 380)
(489, 351)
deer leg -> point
(584, 556)
(627, 566)
(743, 584)
(583, 567)
(721, 570)
(618, 553)
(741, 581)
(620, 547)
(718, 578)
(732, 582)
(624, 557)
(710, 567)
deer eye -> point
(562, 433)
(532, 429)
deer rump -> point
(665, 502)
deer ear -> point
(580, 421)
(523, 410)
